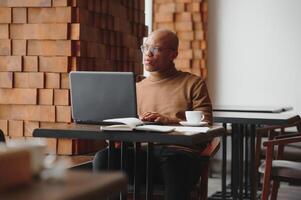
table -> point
(93, 132)
(244, 127)
(77, 185)
(257, 109)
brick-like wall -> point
(41, 41)
(188, 18)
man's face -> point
(158, 54)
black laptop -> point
(96, 96)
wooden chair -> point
(277, 169)
(201, 189)
(270, 132)
(2, 137)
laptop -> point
(96, 96)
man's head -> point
(159, 50)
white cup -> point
(194, 116)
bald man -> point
(163, 97)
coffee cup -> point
(194, 116)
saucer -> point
(186, 123)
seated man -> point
(164, 97)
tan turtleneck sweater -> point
(172, 93)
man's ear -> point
(173, 55)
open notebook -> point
(130, 123)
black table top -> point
(93, 132)
(257, 109)
(255, 118)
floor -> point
(286, 192)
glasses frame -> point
(153, 49)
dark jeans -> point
(177, 170)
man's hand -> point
(156, 117)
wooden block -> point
(196, 17)
(185, 54)
(10, 63)
(61, 97)
(29, 3)
(180, 7)
(164, 17)
(53, 64)
(52, 80)
(197, 54)
(184, 1)
(19, 47)
(185, 35)
(4, 126)
(49, 47)
(6, 79)
(65, 146)
(183, 26)
(167, 8)
(5, 15)
(167, 25)
(5, 47)
(19, 15)
(29, 80)
(61, 3)
(75, 31)
(184, 16)
(45, 96)
(15, 128)
(18, 96)
(4, 31)
(49, 15)
(199, 35)
(182, 63)
(65, 81)
(39, 31)
(28, 112)
(194, 7)
(51, 145)
(30, 63)
(184, 45)
(63, 113)
(198, 26)
(29, 126)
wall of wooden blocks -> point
(41, 41)
(188, 18)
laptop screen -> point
(96, 96)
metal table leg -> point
(253, 169)
(137, 170)
(224, 162)
(235, 161)
(149, 172)
(123, 196)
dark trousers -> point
(177, 170)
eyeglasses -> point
(153, 50)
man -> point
(164, 97)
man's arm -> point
(201, 100)
(156, 117)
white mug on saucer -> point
(194, 116)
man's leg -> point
(181, 171)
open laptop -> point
(96, 96)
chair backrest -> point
(2, 138)
(212, 147)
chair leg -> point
(275, 188)
(204, 182)
(267, 174)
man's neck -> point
(159, 75)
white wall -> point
(255, 52)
